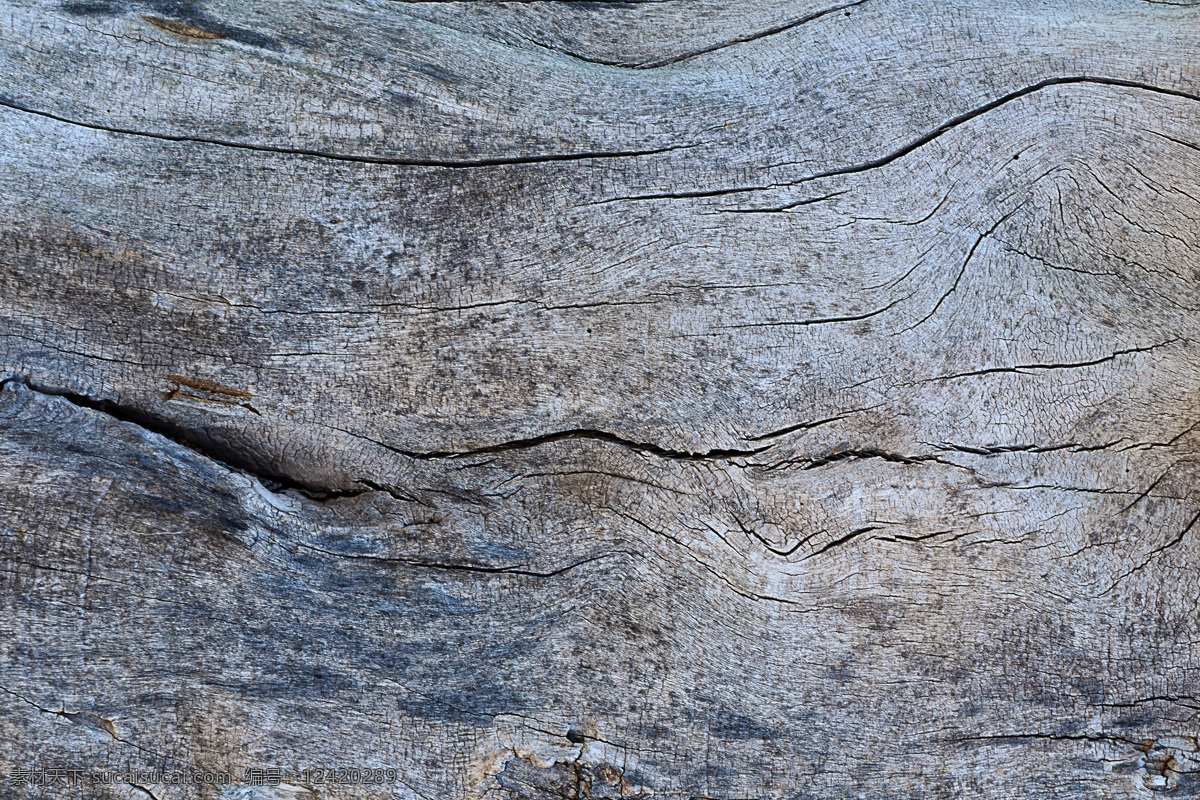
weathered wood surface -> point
(565, 399)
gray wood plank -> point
(562, 399)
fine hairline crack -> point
(1052, 366)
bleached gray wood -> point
(566, 399)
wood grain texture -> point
(571, 399)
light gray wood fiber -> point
(583, 399)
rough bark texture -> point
(571, 399)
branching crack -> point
(87, 718)
(963, 269)
(1154, 554)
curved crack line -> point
(854, 454)
(778, 29)
(992, 105)
(200, 443)
(143, 790)
(802, 323)
(918, 142)
(1000, 449)
(786, 206)
(763, 540)
(963, 269)
(196, 441)
(717, 454)
(690, 54)
(358, 159)
(854, 534)
(1145, 493)
(808, 425)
